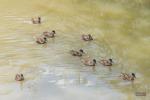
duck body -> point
(41, 40)
(77, 53)
(49, 34)
(128, 77)
(87, 37)
(89, 62)
(106, 62)
(19, 77)
(36, 20)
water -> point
(121, 31)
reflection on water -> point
(120, 29)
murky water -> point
(121, 31)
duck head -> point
(90, 37)
(110, 60)
(94, 61)
(133, 75)
(81, 50)
(45, 38)
(39, 19)
(54, 31)
(21, 75)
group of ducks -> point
(104, 62)
(42, 39)
(89, 62)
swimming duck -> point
(41, 40)
(87, 37)
(77, 53)
(89, 62)
(49, 34)
(128, 77)
(36, 20)
(19, 77)
(106, 62)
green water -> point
(120, 29)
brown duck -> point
(128, 77)
(36, 20)
(106, 62)
(89, 62)
(19, 77)
(41, 40)
(49, 34)
(87, 37)
(77, 53)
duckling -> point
(128, 77)
(77, 53)
(106, 62)
(87, 37)
(41, 40)
(36, 20)
(49, 34)
(19, 77)
(88, 62)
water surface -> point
(120, 29)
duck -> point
(49, 34)
(19, 77)
(77, 53)
(128, 77)
(41, 40)
(106, 62)
(89, 62)
(87, 37)
(36, 20)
